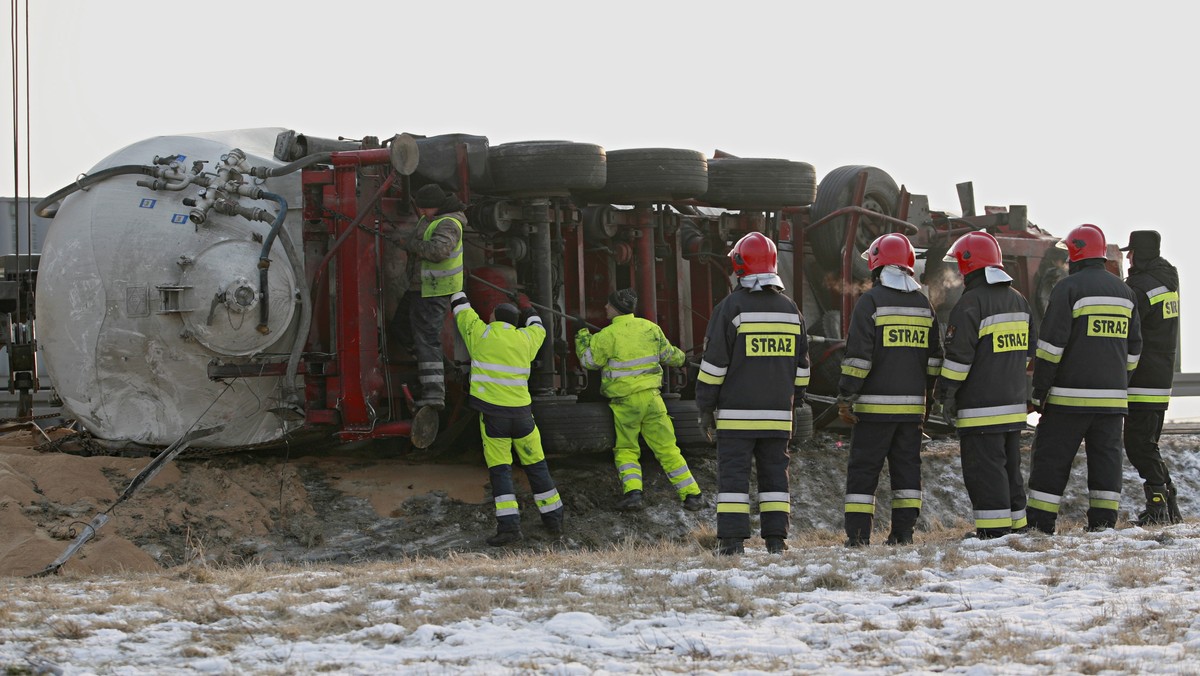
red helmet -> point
(753, 254)
(1083, 242)
(975, 251)
(891, 249)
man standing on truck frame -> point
(893, 355)
(1089, 343)
(631, 351)
(1155, 284)
(435, 271)
(754, 371)
(501, 354)
(989, 342)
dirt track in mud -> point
(368, 503)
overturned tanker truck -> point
(241, 282)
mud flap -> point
(424, 427)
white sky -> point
(1081, 110)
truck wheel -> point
(835, 191)
(686, 419)
(737, 182)
(569, 426)
(645, 175)
(546, 168)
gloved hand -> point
(402, 237)
(575, 324)
(1036, 401)
(708, 423)
(950, 409)
(522, 301)
(846, 411)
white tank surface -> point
(134, 299)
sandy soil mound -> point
(364, 503)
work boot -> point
(1157, 510)
(991, 533)
(904, 521)
(631, 502)
(553, 521)
(731, 547)
(1041, 520)
(693, 503)
(776, 545)
(504, 537)
(858, 529)
(1173, 504)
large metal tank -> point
(134, 301)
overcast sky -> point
(1081, 110)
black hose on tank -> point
(43, 208)
(264, 260)
(307, 160)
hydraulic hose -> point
(44, 208)
(264, 260)
(307, 160)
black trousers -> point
(871, 443)
(734, 457)
(418, 324)
(1142, 431)
(991, 467)
(1055, 445)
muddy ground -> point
(368, 502)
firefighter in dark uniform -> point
(435, 271)
(893, 356)
(1089, 342)
(989, 342)
(755, 368)
(501, 354)
(1155, 284)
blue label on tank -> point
(179, 218)
(148, 203)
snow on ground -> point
(1122, 601)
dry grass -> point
(236, 606)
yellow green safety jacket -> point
(629, 353)
(445, 276)
(501, 354)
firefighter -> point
(989, 342)
(1089, 342)
(1155, 284)
(893, 355)
(501, 354)
(631, 351)
(754, 371)
(434, 271)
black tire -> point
(569, 427)
(686, 418)
(835, 191)
(736, 182)
(644, 175)
(546, 168)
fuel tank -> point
(135, 300)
